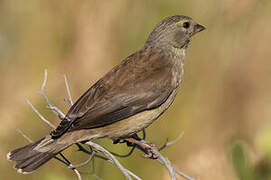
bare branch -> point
(50, 104)
(152, 152)
(45, 79)
(166, 163)
(133, 175)
(68, 91)
(124, 171)
(182, 174)
(83, 163)
(77, 173)
(175, 140)
(169, 143)
(26, 137)
(38, 113)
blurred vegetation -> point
(244, 167)
(225, 94)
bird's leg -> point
(143, 134)
(129, 144)
(124, 155)
(135, 136)
(137, 142)
(81, 148)
(116, 141)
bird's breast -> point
(178, 68)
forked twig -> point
(166, 163)
(69, 101)
(169, 143)
(124, 171)
(39, 114)
(57, 111)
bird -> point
(126, 100)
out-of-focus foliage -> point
(240, 162)
(225, 93)
(245, 168)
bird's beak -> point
(198, 28)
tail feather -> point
(29, 158)
(33, 163)
(23, 152)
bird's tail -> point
(32, 156)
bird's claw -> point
(148, 151)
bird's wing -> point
(141, 82)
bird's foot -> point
(149, 151)
(146, 147)
(135, 136)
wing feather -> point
(141, 82)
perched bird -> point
(126, 100)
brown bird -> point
(126, 100)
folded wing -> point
(141, 82)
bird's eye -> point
(186, 25)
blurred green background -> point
(224, 107)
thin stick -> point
(38, 113)
(133, 175)
(77, 173)
(169, 143)
(113, 159)
(68, 91)
(175, 169)
(175, 140)
(182, 174)
(166, 163)
(26, 137)
(50, 104)
(83, 163)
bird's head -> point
(175, 31)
